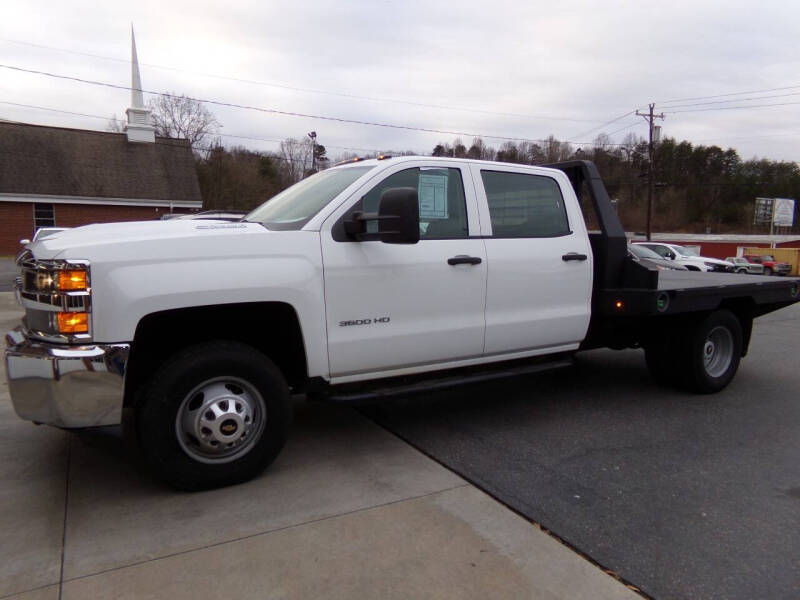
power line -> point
(735, 100)
(601, 126)
(624, 128)
(675, 112)
(300, 89)
(275, 111)
(226, 135)
(777, 89)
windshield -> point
(685, 251)
(642, 252)
(296, 205)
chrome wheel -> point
(718, 351)
(220, 420)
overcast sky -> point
(494, 68)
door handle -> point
(573, 256)
(463, 259)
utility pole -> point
(313, 136)
(649, 117)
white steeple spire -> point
(139, 128)
(137, 100)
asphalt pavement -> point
(684, 496)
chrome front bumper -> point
(65, 386)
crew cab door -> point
(540, 263)
(393, 307)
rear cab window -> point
(523, 205)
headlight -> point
(57, 298)
(73, 279)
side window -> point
(442, 204)
(523, 205)
(662, 251)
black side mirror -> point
(397, 217)
(398, 214)
(670, 256)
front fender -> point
(273, 267)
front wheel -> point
(767, 271)
(742, 270)
(711, 351)
(215, 414)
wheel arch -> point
(272, 328)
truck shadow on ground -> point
(607, 382)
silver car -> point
(742, 265)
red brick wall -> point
(16, 219)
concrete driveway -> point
(347, 511)
(8, 271)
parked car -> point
(652, 260)
(771, 266)
(43, 232)
(686, 257)
(742, 265)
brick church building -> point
(54, 176)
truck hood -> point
(74, 243)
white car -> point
(688, 258)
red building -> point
(53, 176)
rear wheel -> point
(710, 351)
(214, 414)
(767, 271)
(741, 270)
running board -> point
(427, 386)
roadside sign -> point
(783, 212)
(763, 211)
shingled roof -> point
(35, 159)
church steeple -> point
(139, 127)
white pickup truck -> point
(381, 276)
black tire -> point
(711, 350)
(742, 270)
(767, 271)
(183, 461)
(692, 268)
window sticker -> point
(432, 191)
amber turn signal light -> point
(72, 280)
(73, 322)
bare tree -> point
(182, 117)
(295, 159)
(115, 124)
